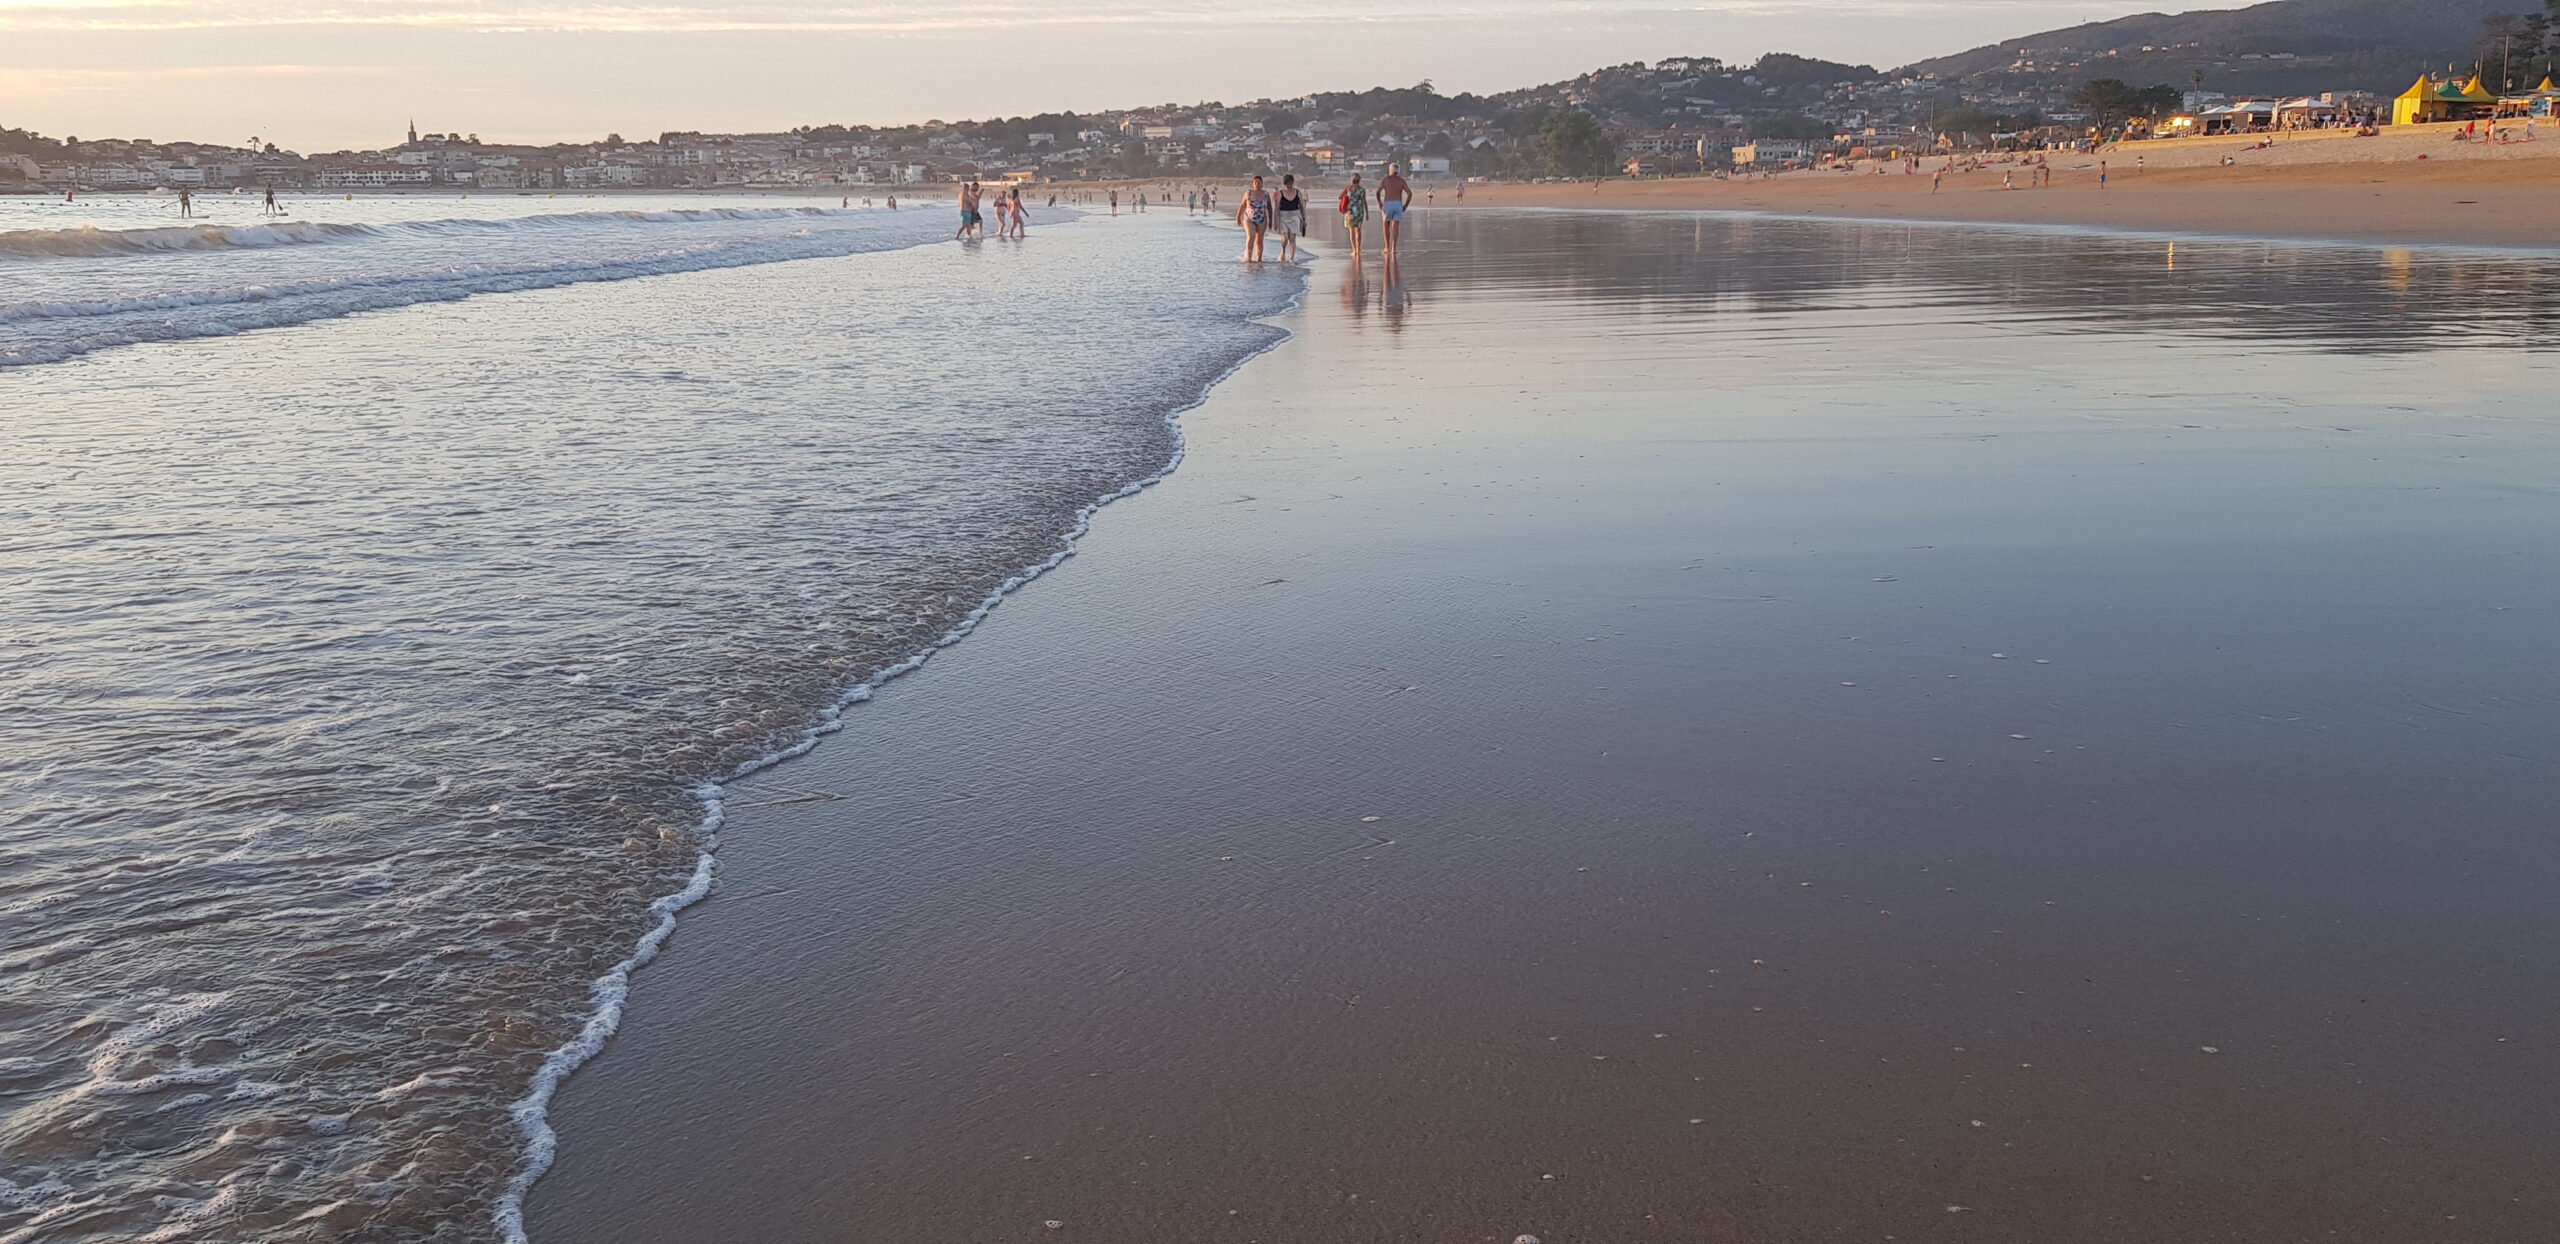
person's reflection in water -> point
(1396, 303)
(1355, 289)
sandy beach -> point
(1635, 727)
(2318, 186)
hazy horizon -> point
(353, 73)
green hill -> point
(2281, 46)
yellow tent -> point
(2426, 101)
(2420, 104)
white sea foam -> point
(222, 280)
(90, 241)
(452, 848)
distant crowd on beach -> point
(1262, 211)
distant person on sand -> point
(1393, 195)
(1291, 212)
(1115, 202)
(1354, 206)
(1255, 215)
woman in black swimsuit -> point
(1291, 208)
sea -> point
(387, 588)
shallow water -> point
(361, 677)
(1674, 595)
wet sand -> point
(1655, 728)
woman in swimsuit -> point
(1292, 208)
(1355, 211)
(1255, 215)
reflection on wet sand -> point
(2331, 297)
(1720, 730)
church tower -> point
(413, 131)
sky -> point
(324, 75)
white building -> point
(1770, 151)
(372, 178)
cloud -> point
(37, 82)
(502, 16)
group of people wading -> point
(1013, 220)
(1264, 210)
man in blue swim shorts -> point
(1393, 195)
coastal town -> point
(1673, 117)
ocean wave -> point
(88, 241)
(50, 330)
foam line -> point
(54, 330)
(89, 240)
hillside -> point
(2285, 45)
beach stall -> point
(2442, 101)
(2305, 112)
(2244, 117)
(2541, 101)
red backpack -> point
(1343, 204)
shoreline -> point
(611, 992)
(2503, 198)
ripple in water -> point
(357, 679)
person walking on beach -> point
(1393, 195)
(1255, 215)
(1021, 215)
(1937, 178)
(1115, 202)
(968, 210)
(1291, 212)
(1354, 206)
